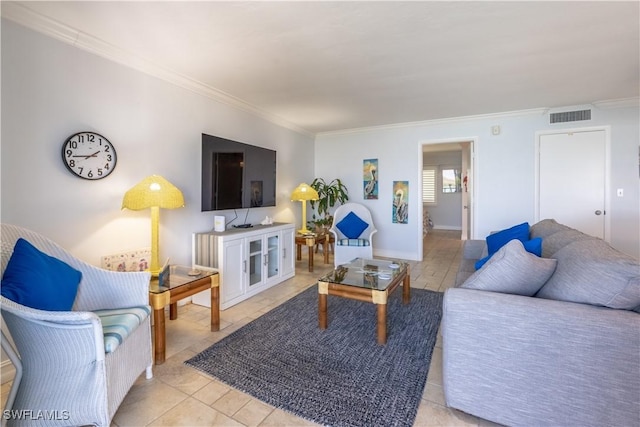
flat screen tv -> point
(236, 175)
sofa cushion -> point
(37, 280)
(545, 228)
(592, 272)
(118, 324)
(467, 265)
(465, 269)
(512, 270)
(461, 277)
(533, 246)
(497, 240)
(352, 226)
(474, 249)
(556, 241)
(353, 242)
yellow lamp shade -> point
(152, 191)
(304, 192)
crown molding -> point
(433, 122)
(607, 104)
(618, 103)
(26, 17)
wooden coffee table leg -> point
(298, 251)
(159, 335)
(173, 311)
(382, 323)
(406, 289)
(322, 311)
(310, 258)
(215, 303)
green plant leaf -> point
(329, 195)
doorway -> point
(573, 176)
(450, 162)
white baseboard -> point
(447, 227)
(395, 254)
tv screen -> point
(236, 175)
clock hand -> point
(90, 155)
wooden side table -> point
(181, 285)
(327, 246)
(310, 241)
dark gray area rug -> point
(339, 376)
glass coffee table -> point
(165, 291)
(368, 280)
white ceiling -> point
(324, 66)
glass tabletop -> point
(174, 276)
(315, 234)
(367, 273)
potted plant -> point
(329, 194)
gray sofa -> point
(567, 355)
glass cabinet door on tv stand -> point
(255, 260)
(273, 255)
(264, 258)
(248, 260)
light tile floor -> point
(181, 396)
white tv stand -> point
(248, 260)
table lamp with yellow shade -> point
(153, 192)
(302, 193)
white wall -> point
(446, 214)
(51, 90)
(504, 175)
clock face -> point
(89, 155)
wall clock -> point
(89, 155)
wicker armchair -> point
(61, 365)
(346, 247)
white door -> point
(288, 255)
(572, 180)
(467, 154)
(232, 281)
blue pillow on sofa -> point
(37, 280)
(497, 240)
(352, 226)
(533, 246)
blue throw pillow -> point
(533, 246)
(37, 280)
(352, 226)
(482, 261)
(497, 240)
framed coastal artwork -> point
(400, 209)
(370, 179)
(137, 260)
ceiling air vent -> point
(570, 116)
